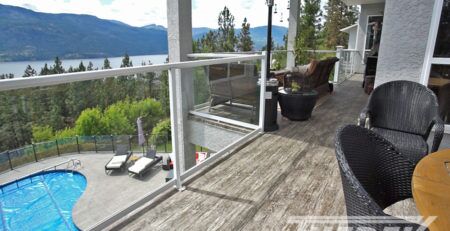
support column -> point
(179, 32)
(294, 10)
(337, 64)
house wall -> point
(366, 10)
(406, 26)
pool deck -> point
(104, 194)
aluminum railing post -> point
(34, 152)
(78, 145)
(262, 95)
(9, 160)
(337, 65)
(95, 143)
(176, 107)
(57, 147)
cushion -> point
(116, 161)
(414, 147)
(140, 164)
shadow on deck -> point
(291, 172)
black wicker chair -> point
(404, 113)
(374, 176)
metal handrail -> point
(50, 80)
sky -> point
(144, 12)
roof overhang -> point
(349, 28)
(361, 2)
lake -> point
(18, 68)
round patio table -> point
(431, 188)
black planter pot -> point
(297, 106)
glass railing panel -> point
(87, 143)
(46, 149)
(68, 145)
(4, 162)
(105, 143)
(279, 60)
(226, 110)
(229, 91)
(21, 156)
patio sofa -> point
(314, 76)
(229, 83)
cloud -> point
(29, 6)
(144, 12)
(255, 11)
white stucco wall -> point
(366, 10)
(406, 25)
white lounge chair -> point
(144, 164)
(119, 160)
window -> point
(373, 33)
(442, 46)
(437, 61)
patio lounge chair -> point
(144, 164)
(374, 176)
(119, 160)
(404, 113)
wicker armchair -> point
(404, 113)
(374, 176)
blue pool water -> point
(41, 202)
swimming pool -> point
(43, 201)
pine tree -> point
(338, 16)
(309, 27)
(45, 70)
(57, 67)
(245, 40)
(126, 61)
(106, 64)
(226, 37)
(209, 42)
(90, 67)
(81, 67)
(29, 72)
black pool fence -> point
(80, 144)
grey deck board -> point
(291, 172)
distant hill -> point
(29, 35)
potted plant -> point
(297, 101)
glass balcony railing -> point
(191, 112)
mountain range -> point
(30, 35)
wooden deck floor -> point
(291, 172)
